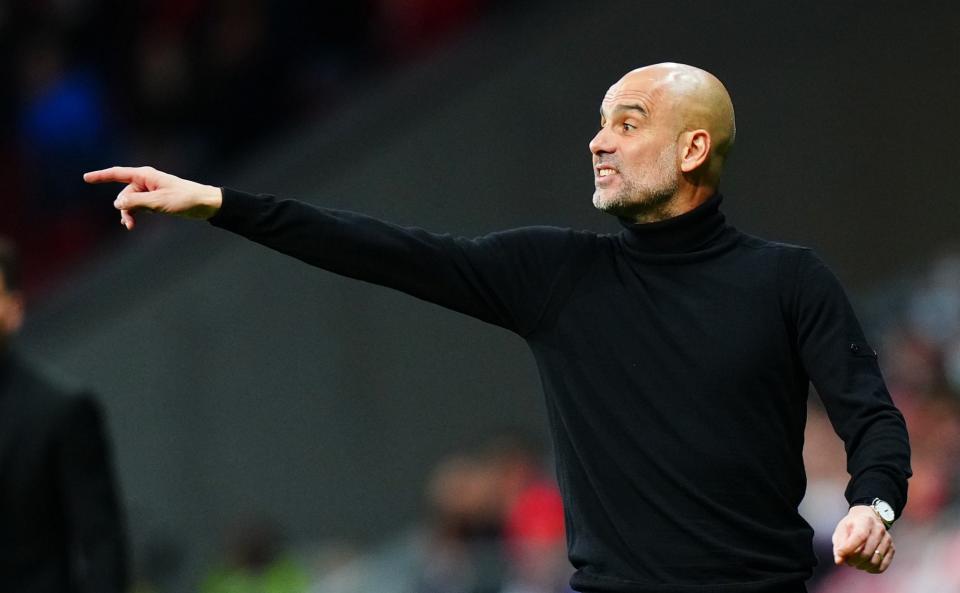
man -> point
(675, 355)
(61, 526)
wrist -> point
(883, 510)
(211, 200)
(879, 507)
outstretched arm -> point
(506, 278)
(156, 191)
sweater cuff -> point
(876, 485)
(236, 206)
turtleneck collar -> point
(695, 232)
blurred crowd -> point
(492, 523)
(187, 85)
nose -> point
(602, 142)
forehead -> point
(633, 89)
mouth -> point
(604, 173)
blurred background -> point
(280, 429)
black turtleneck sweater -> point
(675, 359)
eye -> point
(628, 127)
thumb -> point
(840, 537)
(127, 220)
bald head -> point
(666, 130)
(695, 98)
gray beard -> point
(642, 204)
(648, 200)
(645, 205)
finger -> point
(126, 219)
(853, 542)
(881, 551)
(858, 561)
(131, 199)
(862, 559)
(870, 561)
(113, 174)
(840, 535)
(850, 558)
(872, 544)
(887, 559)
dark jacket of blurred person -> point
(61, 528)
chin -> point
(608, 204)
(600, 202)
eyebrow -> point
(632, 107)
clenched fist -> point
(862, 541)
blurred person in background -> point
(535, 542)
(256, 561)
(471, 500)
(675, 356)
(61, 527)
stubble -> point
(645, 199)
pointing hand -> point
(156, 191)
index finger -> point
(113, 174)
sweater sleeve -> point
(503, 278)
(845, 371)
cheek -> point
(635, 160)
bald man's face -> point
(635, 160)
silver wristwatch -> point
(883, 510)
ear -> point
(695, 148)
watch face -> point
(884, 510)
